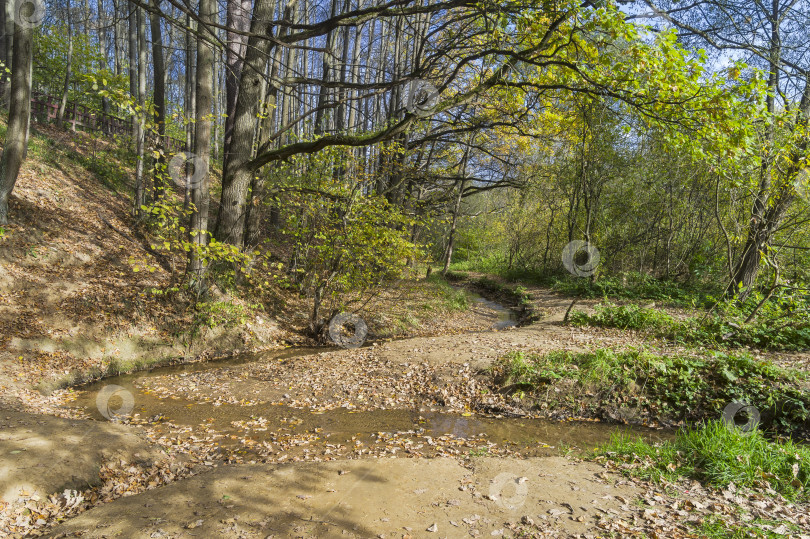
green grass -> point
(677, 387)
(711, 331)
(451, 298)
(718, 456)
(111, 367)
(628, 286)
(715, 527)
(635, 286)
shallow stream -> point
(253, 429)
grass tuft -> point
(719, 456)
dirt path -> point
(379, 498)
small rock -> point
(433, 528)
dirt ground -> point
(374, 498)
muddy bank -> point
(41, 455)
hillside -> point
(76, 303)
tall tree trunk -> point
(278, 72)
(117, 36)
(760, 230)
(19, 116)
(4, 59)
(132, 35)
(60, 116)
(159, 97)
(104, 60)
(190, 102)
(237, 21)
(202, 142)
(341, 113)
(8, 36)
(217, 111)
(451, 236)
(237, 176)
(140, 141)
(326, 75)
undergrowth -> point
(719, 456)
(452, 298)
(679, 387)
(714, 330)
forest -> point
(467, 252)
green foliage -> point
(630, 316)
(226, 314)
(714, 527)
(719, 456)
(780, 327)
(50, 51)
(680, 386)
(167, 221)
(346, 242)
(632, 285)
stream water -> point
(256, 428)
(502, 317)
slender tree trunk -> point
(326, 74)
(104, 61)
(140, 141)
(8, 36)
(117, 36)
(133, 64)
(759, 230)
(3, 55)
(342, 108)
(451, 236)
(217, 111)
(190, 102)
(159, 97)
(202, 143)
(19, 117)
(60, 116)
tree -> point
(238, 23)
(237, 175)
(60, 116)
(19, 115)
(202, 145)
(772, 36)
(159, 94)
